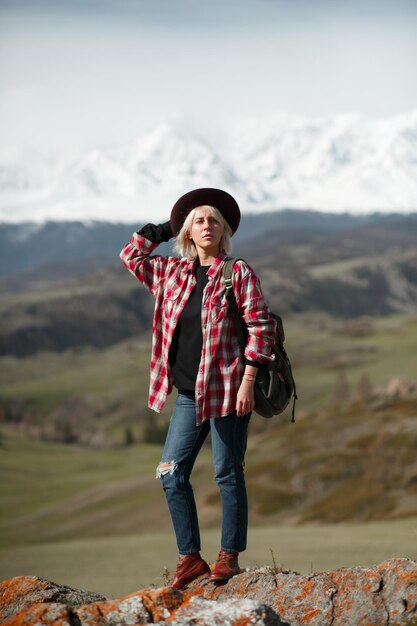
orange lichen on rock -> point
(307, 587)
(21, 592)
(400, 588)
(119, 611)
(160, 603)
(410, 577)
(377, 596)
(200, 611)
(297, 599)
(304, 600)
(42, 614)
(310, 614)
(357, 600)
(17, 592)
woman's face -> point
(206, 231)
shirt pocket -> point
(171, 300)
(219, 308)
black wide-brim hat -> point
(222, 200)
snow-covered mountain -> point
(339, 163)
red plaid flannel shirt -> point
(171, 281)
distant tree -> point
(128, 437)
(68, 433)
(152, 431)
(342, 392)
(27, 421)
(364, 388)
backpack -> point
(274, 384)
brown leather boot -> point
(225, 567)
(189, 567)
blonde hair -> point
(186, 247)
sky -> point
(81, 73)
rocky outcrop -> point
(384, 595)
(401, 388)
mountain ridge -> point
(27, 245)
(63, 285)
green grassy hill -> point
(122, 564)
(97, 518)
(79, 448)
(352, 454)
(91, 513)
(91, 395)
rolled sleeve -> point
(261, 326)
(135, 256)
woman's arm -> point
(135, 255)
(261, 332)
(245, 401)
(253, 309)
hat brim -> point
(222, 200)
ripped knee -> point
(166, 468)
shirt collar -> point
(213, 268)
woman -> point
(195, 349)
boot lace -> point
(226, 557)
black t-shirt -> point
(187, 342)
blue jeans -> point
(182, 445)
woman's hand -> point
(245, 401)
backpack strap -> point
(241, 330)
(228, 271)
(231, 299)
